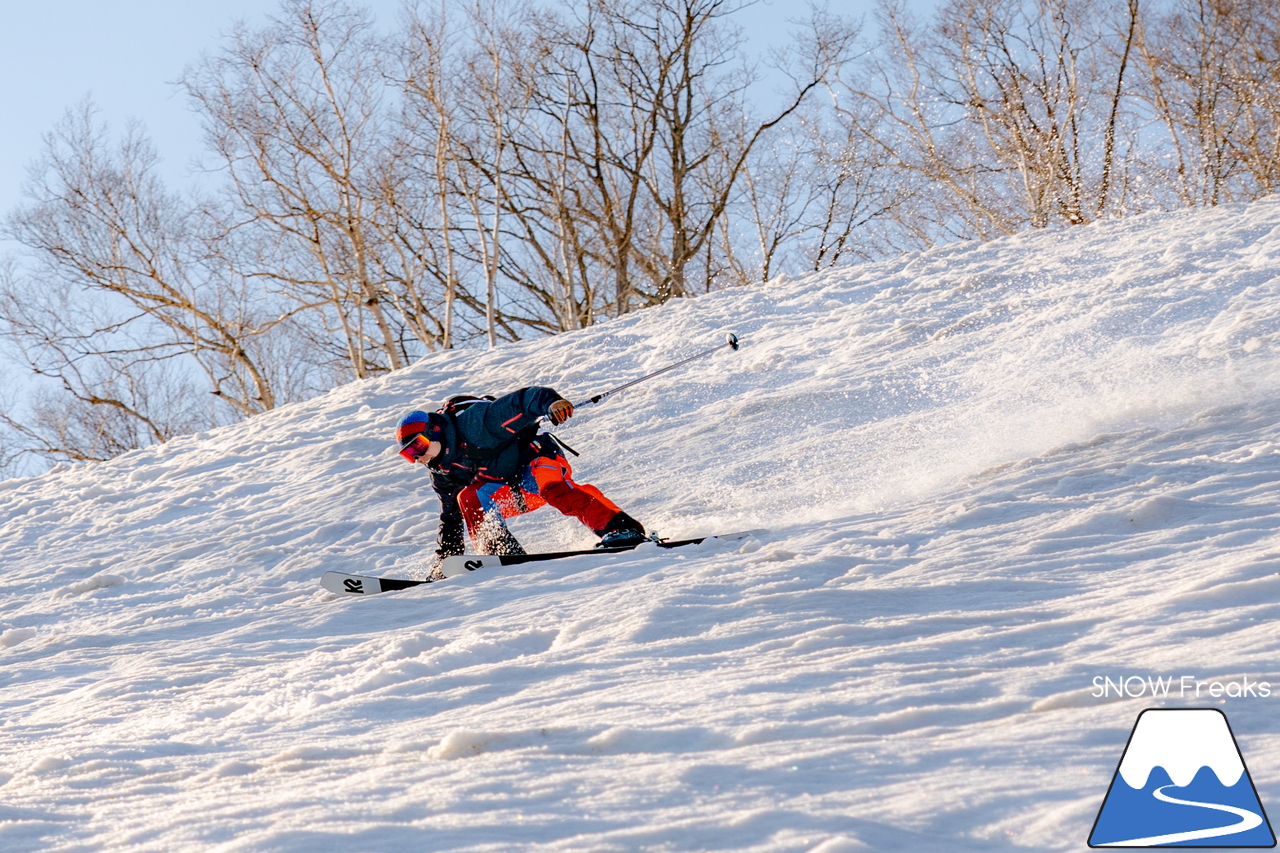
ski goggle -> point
(414, 447)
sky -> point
(127, 54)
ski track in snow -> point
(988, 473)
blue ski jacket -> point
(490, 441)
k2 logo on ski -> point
(1181, 782)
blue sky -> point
(126, 55)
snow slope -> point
(989, 474)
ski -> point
(463, 563)
(347, 584)
(343, 583)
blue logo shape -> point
(1182, 783)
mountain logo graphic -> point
(1181, 783)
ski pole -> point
(731, 340)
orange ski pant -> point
(547, 479)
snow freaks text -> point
(1178, 687)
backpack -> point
(460, 402)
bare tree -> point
(585, 158)
(640, 143)
(684, 74)
(1210, 79)
(296, 113)
(817, 196)
(426, 143)
(466, 103)
(1258, 71)
(493, 103)
(496, 170)
(120, 305)
(1009, 112)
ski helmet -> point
(417, 422)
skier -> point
(489, 462)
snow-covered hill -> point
(989, 474)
